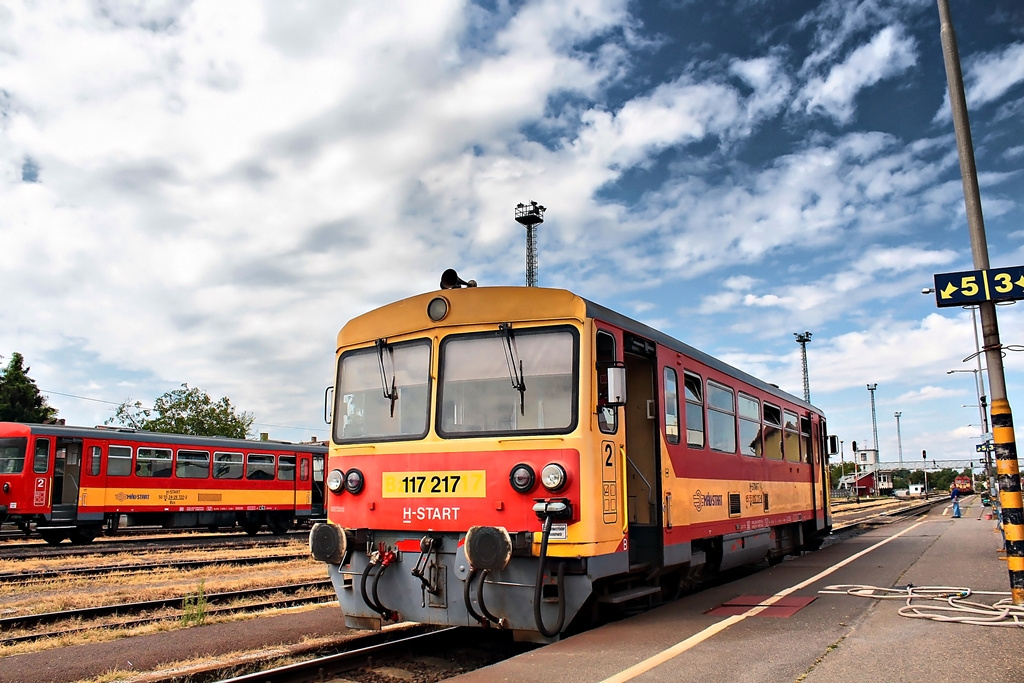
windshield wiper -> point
(516, 375)
(392, 393)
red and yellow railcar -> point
(522, 456)
(74, 482)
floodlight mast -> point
(802, 338)
(530, 216)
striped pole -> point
(1009, 496)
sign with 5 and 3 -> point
(972, 286)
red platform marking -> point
(782, 608)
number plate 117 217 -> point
(448, 484)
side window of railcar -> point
(772, 432)
(119, 461)
(153, 462)
(671, 406)
(694, 393)
(750, 426)
(286, 468)
(12, 455)
(96, 453)
(318, 465)
(227, 465)
(805, 439)
(607, 418)
(41, 458)
(721, 418)
(192, 464)
(792, 437)
(259, 467)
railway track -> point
(323, 594)
(145, 544)
(402, 652)
(27, 576)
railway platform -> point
(798, 622)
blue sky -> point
(204, 192)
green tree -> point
(20, 400)
(186, 411)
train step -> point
(629, 594)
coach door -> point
(643, 493)
(67, 470)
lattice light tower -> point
(530, 216)
(802, 338)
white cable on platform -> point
(952, 607)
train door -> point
(643, 485)
(319, 512)
(67, 471)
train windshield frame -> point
(383, 393)
(502, 384)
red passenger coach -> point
(525, 458)
(74, 482)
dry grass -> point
(113, 588)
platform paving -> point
(836, 637)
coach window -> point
(153, 462)
(750, 426)
(94, 460)
(304, 469)
(694, 394)
(227, 465)
(286, 468)
(805, 439)
(119, 461)
(192, 464)
(671, 406)
(12, 455)
(607, 417)
(772, 432)
(792, 438)
(41, 460)
(259, 467)
(721, 418)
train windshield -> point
(383, 393)
(509, 384)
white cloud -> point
(889, 53)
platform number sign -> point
(972, 286)
(609, 483)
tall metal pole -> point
(802, 338)
(874, 423)
(1012, 510)
(899, 438)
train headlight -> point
(437, 309)
(553, 477)
(522, 478)
(354, 481)
(335, 480)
